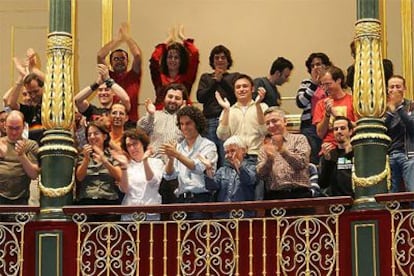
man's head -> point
(234, 148)
(275, 121)
(118, 115)
(316, 61)
(175, 95)
(3, 116)
(220, 58)
(191, 122)
(342, 129)
(119, 60)
(14, 125)
(280, 70)
(333, 81)
(105, 95)
(396, 88)
(34, 88)
(243, 89)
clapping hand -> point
(261, 92)
(207, 164)
(224, 103)
(149, 106)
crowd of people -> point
(236, 148)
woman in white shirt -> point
(141, 174)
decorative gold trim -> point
(57, 192)
(369, 96)
(364, 136)
(407, 46)
(58, 147)
(74, 31)
(384, 33)
(364, 200)
(44, 235)
(365, 182)
(107, 18)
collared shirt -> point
(289, 169)
(193, 180)
(244, 123)
(161, 128)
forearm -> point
(81, 101)
(259, 114)
(189, 163)
(169, 168)
(82, 169)
(14, 95)
(122, 94)
(31, 169)
(323, 126)
(149, 174)
(104, 51)
(114, 171)
(123, 184)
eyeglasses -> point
(119, 58)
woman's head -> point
(97, 134)
(135, 142)
(174, 58)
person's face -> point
(34, 91)
(173, 100)
(188, 127)
(341, 131)
(26, 100)
(234, 152)
(118, 115)
(317, 65)
(330, 86)
(3, 123)
(105, 95)
(96, 137)
(135, 148)
(283, 76)
(14, 128)
(119, 62)
(396, 89)
(220, 62)
(173, 60)
(243, 90)
(275, 124)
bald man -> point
(18, 162)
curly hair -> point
(100, 125)
(135, 134)
(322, 56)
(218, 50)
(196, 115)
(184, 58)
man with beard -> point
(130, 80)
(161, 125)
(336, 163)
(107, 89)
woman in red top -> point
(173, 62)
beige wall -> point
(256, 31)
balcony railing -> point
(281, 237)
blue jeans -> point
(314, 141)
(212, 124)
(401, 169)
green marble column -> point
(57, 153)
(370, 142)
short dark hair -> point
(218, 50)
(336, 74)
(184, 58)
(397, 77)
(32, 76)
(338, 118)
(136, 134)
(280, 64)
(116, 51)
(196, 115)
(322, 56)
(388, 70)
(175, 86)
(243, 76)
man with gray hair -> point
(284, 159)
(236, 180)
(18, 162)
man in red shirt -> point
(130, 80)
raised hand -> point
(261, 92)
(181, 35)
(149, 106)
(121, 158)
(20, 147)
(148, 153)
(326, 149)
(207, 163)
(169, 149)
(224, 103)
(103, 72)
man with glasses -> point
(337, 103)
(130, 80)
(107, 88)
(336, 163)
(18, 162)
